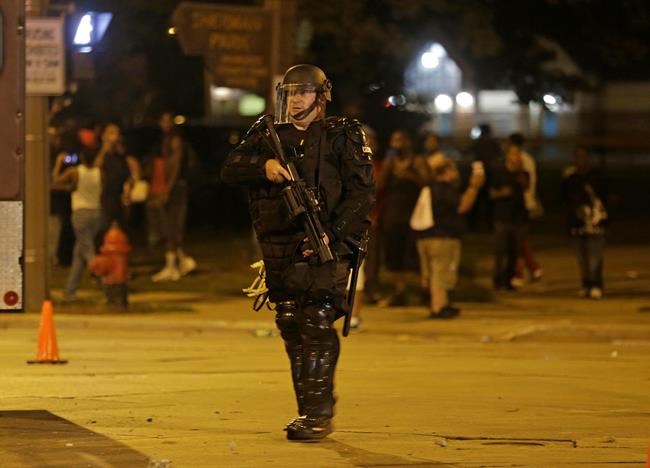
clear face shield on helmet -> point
(295, 102)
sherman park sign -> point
(235, 42)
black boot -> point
(287, 323)
(320, 355)
(307, 429)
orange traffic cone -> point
(48, 351)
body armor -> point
(332, 156)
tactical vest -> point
(279, 237)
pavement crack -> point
(590, 463)
(487, 440)
(509, 440)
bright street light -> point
(90, 29)
(432, 57)
(84, 30)
(464, 100)
(429, 60)
(443, 103)
(550, 99)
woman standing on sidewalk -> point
(403, 175)
(85, 181)
(168, 200)
(119, 172)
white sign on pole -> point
(45, 56)
(11, 254)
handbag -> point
(422, 215)
(139, 191)
(537, 210)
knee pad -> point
(316, 320)
(286, 318)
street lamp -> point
(432, 57)
(553, 102)
(430, 61)
(443, 103)
(550, 99)
(464, 100)
(90, 30)
(84, 31)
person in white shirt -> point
(526, 259)
(85, 182)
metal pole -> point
(37, 189)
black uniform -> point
(332, 156)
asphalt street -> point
(533, 378)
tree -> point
(497, 43)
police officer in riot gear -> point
(332, 156)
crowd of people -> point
(424, 207)
(95, 182)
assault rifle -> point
(300, 200)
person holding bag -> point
(422, 216)
(439, 246)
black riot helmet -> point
(298, 80)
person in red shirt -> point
(167, 203)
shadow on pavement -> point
(38, 438)
(365, 458)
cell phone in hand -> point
(71, 158)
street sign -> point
(45, 56)
(234, 41)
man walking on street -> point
(333, 158)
